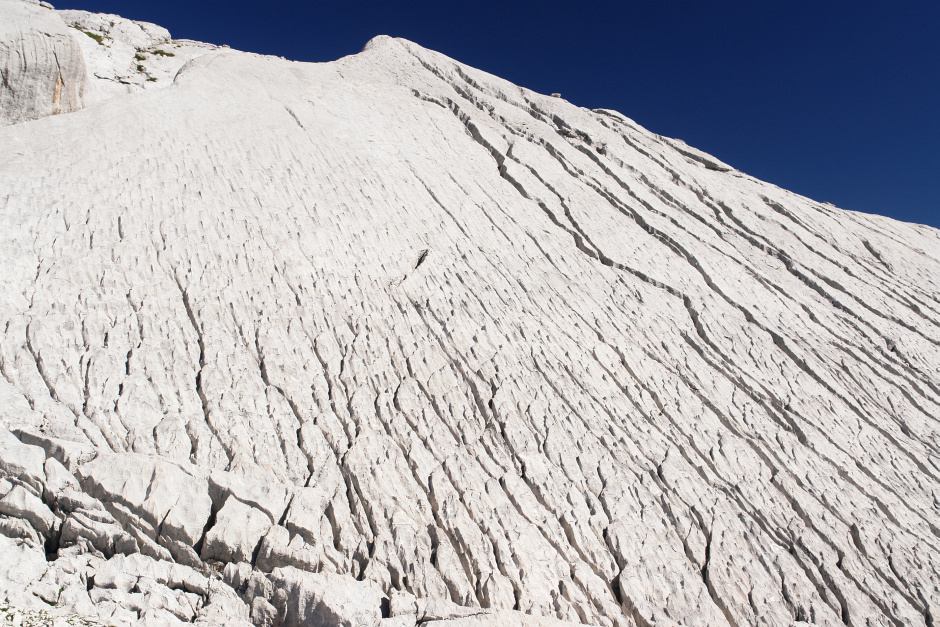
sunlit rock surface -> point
(126, 56)
(389, 340)
(42, 70)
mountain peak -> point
(378, 42)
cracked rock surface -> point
(390, 341)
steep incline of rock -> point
(280, 327)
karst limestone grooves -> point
(390, 341)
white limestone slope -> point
(389, 340)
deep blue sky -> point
(837, 100)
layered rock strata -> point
(391, 341)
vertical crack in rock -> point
(200, 391)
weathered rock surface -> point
(260, 492)
(41, 64)
(236, 534)
(391, 341)
(503, 618)
(127, 56)
(55, 62)
(321, 599)
(20, 503)
(166, 502)
(21, 462)
(69, 453)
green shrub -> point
(164, 53)
(95, 36)
(139, 57)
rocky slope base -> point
(391, 341)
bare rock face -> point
(42, 66)
(55, 62)
(19, 567)
(317, 599)
(504, 618)
(164, 502)
(236, 534)
(389, 341)
(67, 452)
(20, 503)
(138, 35)
(127, 56)
(21, 462)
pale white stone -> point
(69, 453)
(237, 532)
(58, 480)
(263, 614)
(43, 67)
(488, 352)
(172, 500)
(21, 461)
(269, 496)
(317, 598)
(131, 56)
(20, 529)
(21, 566)
(107, 537)
(504, 618)
(223, 608)
(21, 503)
(278, 548)
(71, 500)
(140, 35)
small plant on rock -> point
(95, 36)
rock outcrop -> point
(54, 62)
(390, 341)
(42, 69)
(127, 56)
